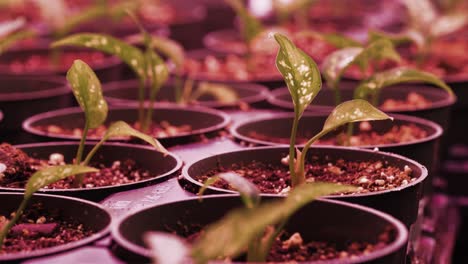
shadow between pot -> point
(90, 214)
(203, 122)
(401, 202)
(362, 224)
(161, 166)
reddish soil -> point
(412, 101)
(38, 229)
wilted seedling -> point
(302, 77)
(260, 226)
(38, 180)
(87, 90)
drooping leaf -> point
(447, 24)
(167, 248)
(10, 26)
(356, 110)
(230, 236)
(250, 25)
(397, 76)
(49, 175)
(170, 48)
(10, 40)
(378, 50)
(300, 73)
(249, 192)
(87, 90)
(335, 64)
(221, 92)
(132, 56)
(340, 41)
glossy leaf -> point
(356, 110)
(396, 39)
(448, 24)
(10, 26)
(300, 73)
(248, 191)
(13, 38)
(338, 40)
(251, 26)
(378, 50)
(335, 64)
(230, 236)
(221, 92)
(397, 76)
(49, 175)
(87, 90)
(132, 56)
(167, 248)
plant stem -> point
(304, 152)
(178, 88)
(149, 114)
(292, 151)
(141, 103)
(79, 154)
(13, 221)
(349, 133)
(337, 93)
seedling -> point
(260, 226)
(87, 90)
(302, 77)
(295, 9)
(13, 31)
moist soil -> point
(161, 130)
(412, 101)
(291, 247)
(20, 167)
(274, 178)
(365, 136)
(39, 228)
(41, 62)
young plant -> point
(88, 93)
(260, 226)
(295, 9)
(38, 180)
(303, 80)
(13, 31)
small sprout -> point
(167, 248)
(221, 92)
(250, 26)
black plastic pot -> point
(438, 112)
(202, 120)
(338, 221)
(163, 167)
(126, 94)
(22, 96)
(401, 202)
(107, 69)
(425, 151)
(272, 81)
(92, 215)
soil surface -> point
(412, 101)
(38, 228)
(365, 137)
(292, 247)
(161, 130)
(19, 167)
(274, 178)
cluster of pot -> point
(33, 100)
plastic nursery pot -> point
(39, 61)
(361, 224)
(91, 215)
(401, 202)
(126, 94)
(160, 165)
(266, 72)
(202, 121)
(424, 150)
(22, 96)
(438, 111)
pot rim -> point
(28, 123)
(261, 93)
(211, 40)
(57, 83)
(420, 122)
(65, 247)
(447, 101)
(399, 241)
(64, 192)
(424, 172)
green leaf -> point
(156, 70)
(167, 248)
(335, 64)
(356, 110)
(251, 26)
(132, 56)
(230, 236)
(378, 50)
(300, 73)
(396, 76)
(80, 18)
(170, 48)
(221, 92)
(396, 39)
(49, 175)
(338, 40)
(249, 192)
(87, 90)
(13, 38)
